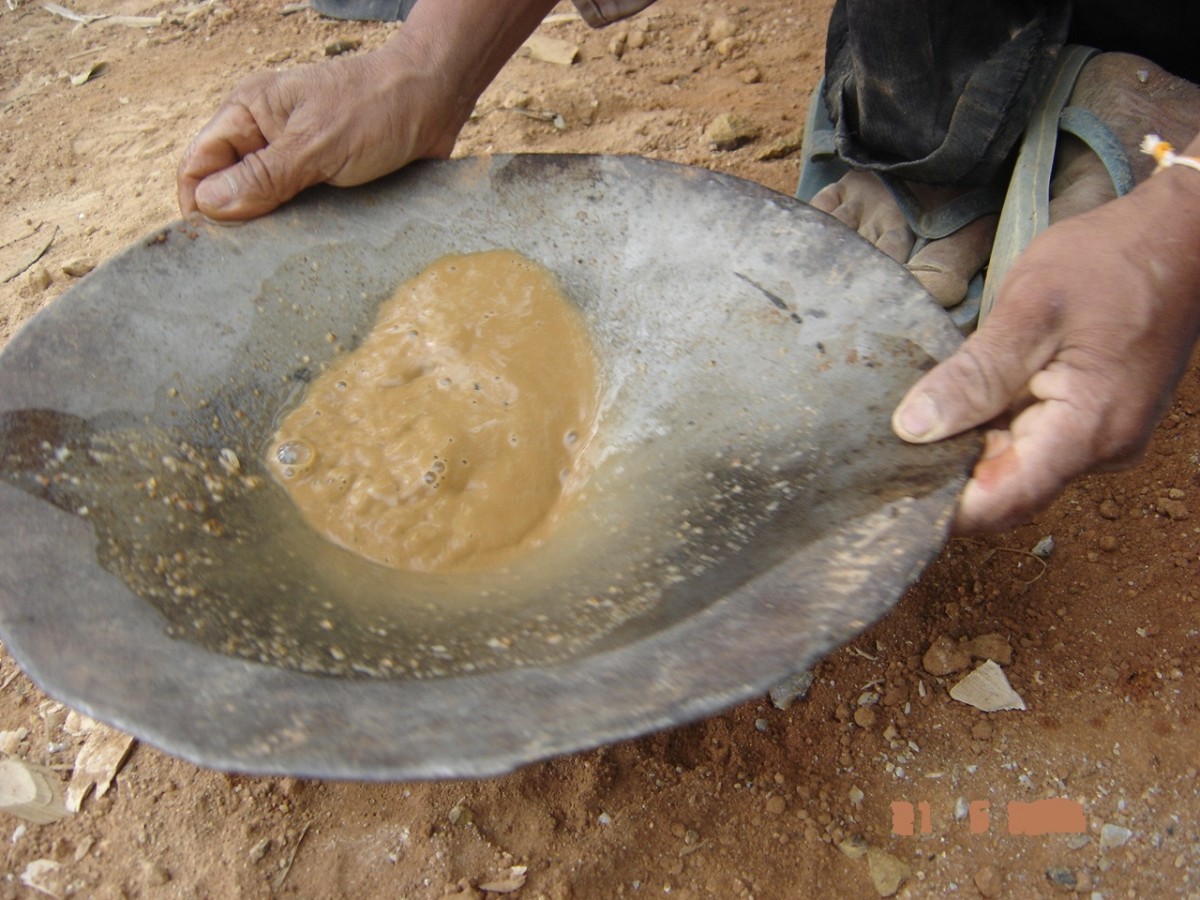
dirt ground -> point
(758, 802)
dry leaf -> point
(94, 71)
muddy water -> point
(451, 437)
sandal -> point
(1023, 206)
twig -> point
(55, 10)
(21, 267)
(291, 858)
(1021, 553)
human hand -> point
(344, 122)
(1091, 331)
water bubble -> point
(444, 381)
(571, 438)
(294, 453)
(438, 466)
(429, 477)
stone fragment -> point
(886, 871)
(728, 131)
(987, 882)
(1176, 510)
(864, 717)
(78, 266)
(1110, 509)
(721, 29)
(944, 657)
(988, 689)
(991, 646)
(783, 146)
(1113, 836)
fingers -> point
(231, 134)
(232, 171)
(980, 381)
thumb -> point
(254, 186)
(982, 379)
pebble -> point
(721, 29)
(987, 882)
(1062, 878)
(1044, 548)
(795, 688)
(1113, 836)
(864, 717)
(78, 266)
(783, 146)
(728, 131)
(1108, 543)
(981, 731)
(886, 871)
(853, 847)
(944, 657)
(990, 646)
(1110, 509)
(337, 48)
(37, 279)
(776, 806)
(1176, 510)
(636, 39)
(155, 872)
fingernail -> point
(216, 193)
(918, 417)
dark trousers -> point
(940, 90)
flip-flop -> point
(1023, 208)
(364, 10)
(1027, 205)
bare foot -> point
(1130, 94)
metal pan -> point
(750, 508)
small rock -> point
(517, 100)
(944, 657)
(37, 279)
(727, 47)
(337, 48)
(783, 146)
(78, 266)
(616, 47)
(636, 39)
(886, 871)
(1044, 548)
(761, 725)
(750, 75)
(728, 131)
(721, 29)
(1175, 510)
(776, 805)
(853, 847)
(1113, 836)
(155, 873)
(1062, 878)
(864, 717)
(1078, 841)
(1108, 543)
(981, 731)
(990, 646)
(1110, 509)
(795, 688)
(855, 795)
(987, 882)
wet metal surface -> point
(750, 508)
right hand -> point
(344, 122)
